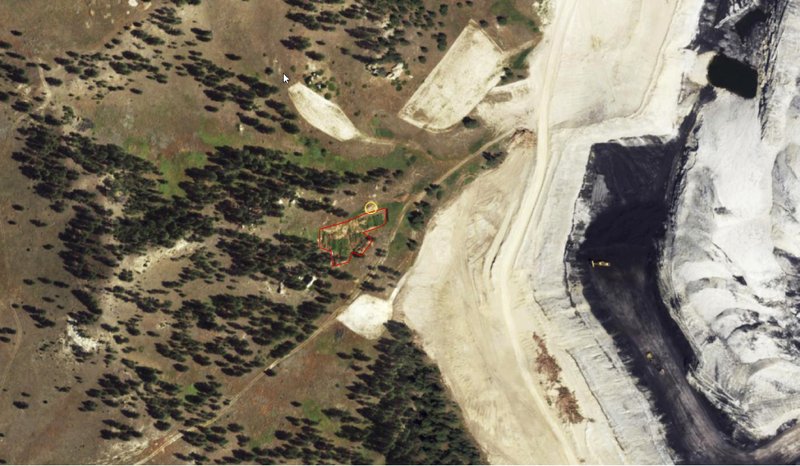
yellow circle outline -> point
(368, 205)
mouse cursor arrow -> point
(285, 79)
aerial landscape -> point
(400, 232)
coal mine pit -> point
(617, 264)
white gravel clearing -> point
(366, 316)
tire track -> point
(14, 314)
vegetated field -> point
(352, 236)
(173, 170)
(298, 414)
(161, 198)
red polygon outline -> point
(370, 239)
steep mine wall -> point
(729, 262)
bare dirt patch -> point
(367, 314)
(462, 78)
(547, 366)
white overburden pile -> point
(492, 267)
(730, 251)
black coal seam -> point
(733, 75)
(736, 448)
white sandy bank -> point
(323, 114)
(488, 358)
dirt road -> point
(12, 297)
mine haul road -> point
(498, 268)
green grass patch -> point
(265, 438)
(379, 130)
(174, 170)
(314, 155)
(398, 245)
(137, 146)
(393, 213)
(304, 231)
(420, 185)
(450, 180)
(326, 344)
(313, 411)
(384, 133)
(371, 221)
(354, 239)
(106, 120)
(469, 169)
(394, 209)
(475, 146)
(342, 248)
(518, 61)
(188, 390)
(507, 9)
(216, 139)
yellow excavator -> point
(601, 263)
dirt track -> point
(45, 88)
(487, 352)
(511, 234)
(158, 446)
(651, 104)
